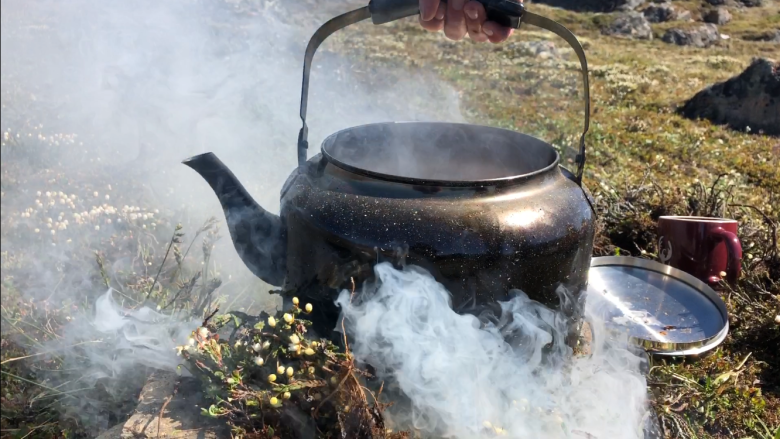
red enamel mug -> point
(706, 248)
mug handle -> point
(734, 248)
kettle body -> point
(484, 210)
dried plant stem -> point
(162, 264)
(49, 352)
(51, 389)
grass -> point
(644, 160)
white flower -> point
(107, 197)
(259, 361)
(203, 332)
(309, 351)
(95, 193)
(37, 230)
(271, 378)
(38, 193)
(280, 370)
(288, 318)
(271, 321)
(53, 231)
(294, 339)
(97, 227)
(309, 308)
(295, 301)
(290, 371)
(191, 341)
(257, 347)
(266, 344)
(286, 395)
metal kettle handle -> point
(505, 12)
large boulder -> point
(662, 12)
(751, 99)
(630, 25)
(704, 35)
(719, 16)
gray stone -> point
(683, 15)
(665, 12)
(772, 36)
(702, 36)
(660, 13)
(752, 3)
(717, 16)
(630, 25)
(751, 99)
(181, 418)
(539, 49)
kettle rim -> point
(331, 155)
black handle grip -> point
(504, 12)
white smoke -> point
(467, 379)
(148, 336)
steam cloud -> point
(465, 379)
(138, 86)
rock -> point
(717, 2)
(752, 3)
(181, 418)
(751, 99)
(717, 16)
(665, 12)
(594, 5)
(772, 36)
(539, 49)
(630, 25)
(660, 13)
(704, 35)
(683, 15)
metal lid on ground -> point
(663, 309)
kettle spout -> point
(259, 236)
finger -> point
(495, 32)
(432, 25)
(475, 16)
(436, 24)
(428, 9)
(454, 20)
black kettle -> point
(485, 210)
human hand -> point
(459, 17)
